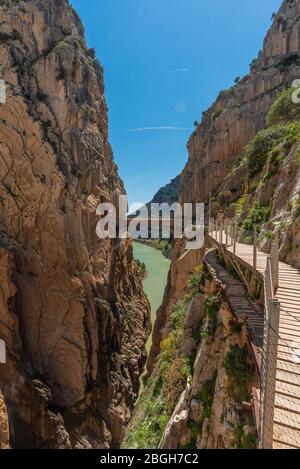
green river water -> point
(157, 267)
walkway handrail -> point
(269, 280)
(271, 330)
(227, 228)
(270, 350)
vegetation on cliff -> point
(178, 373)
(268, 163)
(167, 382)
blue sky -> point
(165, 62)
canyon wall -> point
(209, 413)
(182, 266)
(198, 393)
(72, 309)
(240, 112)
(216, 163)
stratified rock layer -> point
(240, 112)
(72, 309)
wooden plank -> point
(287, 418)
(286, 436)
(280, 446)
(288, 390)
(293, 404)
(288, 377)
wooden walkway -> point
(241, 305)
(287, 399)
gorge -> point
(74, 315)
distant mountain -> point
(167, 194)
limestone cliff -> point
(240, 112)
(72, 310)
(220, 161)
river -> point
(157, 267)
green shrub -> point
(239, 373)
(240, 205)
(175, 380)
(195, 429)
(195, 280)
(167, 250)
(258, 150)
(79, 173)
(177, 315)
(297, 156)
(258, 215)
(112, 178)
(243, 440)
(265, 234)
(142, 268)
(206, 396)
(217, 114)
(283, 225)
(283, 109)
(292, 135)
(211, 310)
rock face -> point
(72, 309)
(182, 266)
(218, 141)
(3, 424)
(239, 113)
(207, 415)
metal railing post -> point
(221, 231)
(276, 261)
(269, 369)
(231, 234)
(255, 248)
(234, 238)
(209, 206)
(226, 233)
(269, 285)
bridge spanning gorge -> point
(279, 363)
